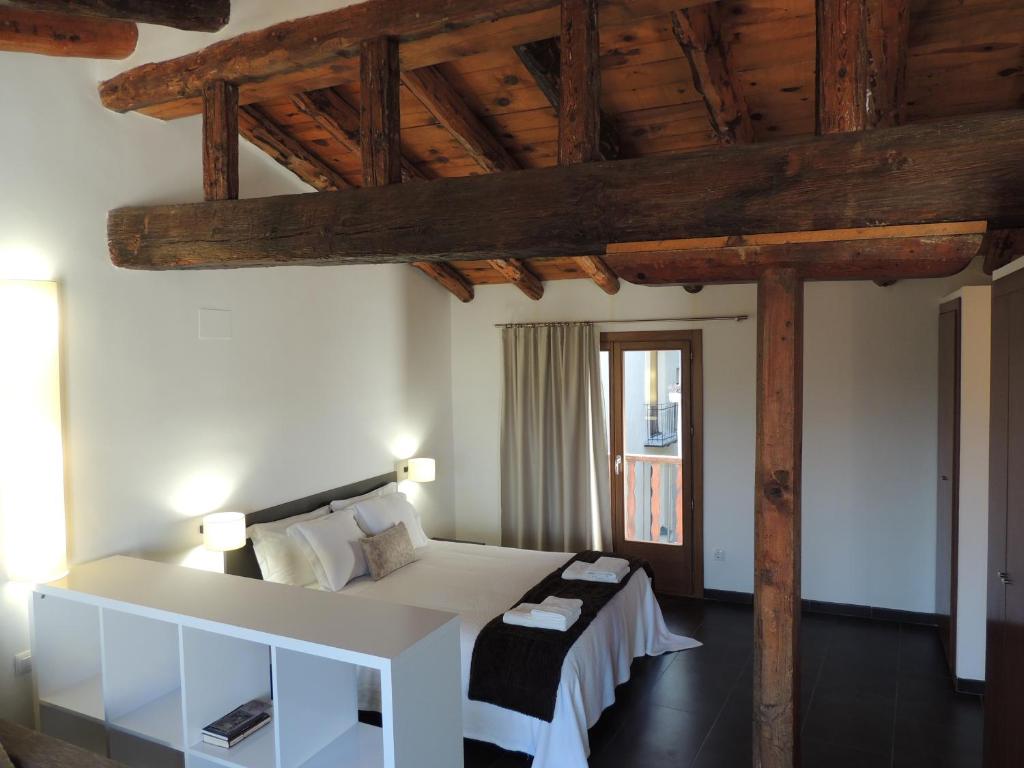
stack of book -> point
(237, 724)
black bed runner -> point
(519, 668)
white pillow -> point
(377, 515)
(384, 490)
(279, 558)
(332, 546)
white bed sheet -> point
(480, 582)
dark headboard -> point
(242, 562)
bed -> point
(480, 582)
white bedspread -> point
(480, 582)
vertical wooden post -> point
(379, 115)
(777, 519)
(220, 141)
(579, 119)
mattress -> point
(479, 582)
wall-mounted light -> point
(224, 531)
(417, 470)
(32, 512)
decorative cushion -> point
(388, 551)
(378, 515)
(330, 544)
(385, 490)
(280, 559)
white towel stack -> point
(610, 570)
(553, 613)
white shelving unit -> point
(158, 651)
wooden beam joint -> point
(220, 141)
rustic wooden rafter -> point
(957, 169)
(323, 49)
(220, 142)
(699, 33)
(193, 15)
(339, 119)
(542, 59)
(448, 277)
(53, 34)
(519, 274)
(264, 133)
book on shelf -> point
(237, 724)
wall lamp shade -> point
(33, 537)
(224, 531)
(417, 470)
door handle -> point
(618, 465)
(1004, 577)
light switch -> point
(215, 324)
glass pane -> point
(653, 463)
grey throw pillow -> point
(388, 551)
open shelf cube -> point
(221, 673)
(142, 677)
(318, 718)
(67, 655)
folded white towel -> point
(522, 616)
(580, 571)
(558, 610)
(610, 565)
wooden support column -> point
(579, 119)
(380, 135)
(777, 519)
(220, 141)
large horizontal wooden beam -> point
(965, 168)
(53, 34)
(195, 15)
(882, 259)
(323, 50)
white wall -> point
(869, 425)
(972, 542)
(328, 368)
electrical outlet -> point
(720, 555)
(23, 663)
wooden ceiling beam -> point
(220, 142)
(542, 59)
(519, 274)
(52, 34)
(436, 94)
(329, 110)
(881, 260)
(579, 114)
(194, 15)
(699, 33)
(257, 127)
(380, 131)
(956, 169)
(321, 50)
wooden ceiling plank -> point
(329, 110)
(192, 15)
(53, 34)
(958, 169)
(284, 56)
(257, 127)
(436, 94)
(220, 141)
(699, 33)
(579, 113)
(542, 60)
(882, 259)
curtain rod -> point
(692, 319)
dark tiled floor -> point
(874, 694)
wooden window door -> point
(654, 405)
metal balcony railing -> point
(661, 419)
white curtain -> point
(555, 491)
